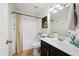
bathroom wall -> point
(59, 21)
(44, 12)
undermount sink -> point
(66, 41)
(43, 36)
(61, 40)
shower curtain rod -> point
(25, 14)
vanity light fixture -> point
(61, 7)
(51, 9)
(58, 6)
(54, 11)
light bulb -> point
(54, 11)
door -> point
(3, 29)
(12, 34)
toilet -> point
(36, 48)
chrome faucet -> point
(39, 34)
(48, 35)
(72, 37)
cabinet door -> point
(44, 49)
(44, 52)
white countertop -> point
(62, 45)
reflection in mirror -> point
(59, 18)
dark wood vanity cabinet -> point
(56, 52)
(44, 49)
(48, 50)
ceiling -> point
(30, 8)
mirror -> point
(59, 19)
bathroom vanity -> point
(53, 47)
(49, 50)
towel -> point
(72, 19)
(77, 14)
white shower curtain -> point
(29, 30)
